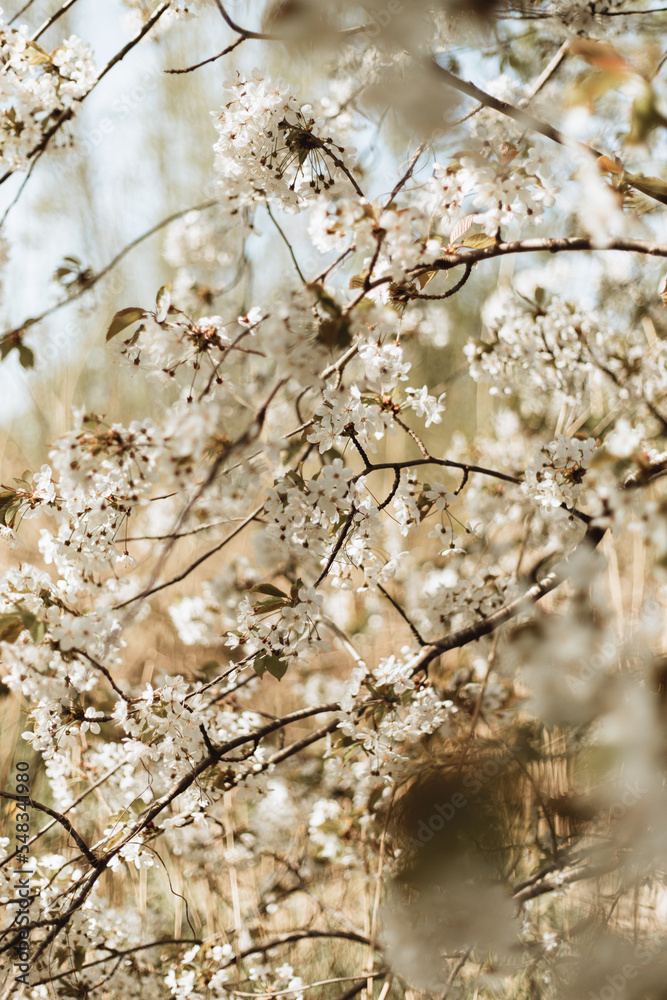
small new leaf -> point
(267, 588)
(357, 280)
(26, 356)
(654, 187)
(123, 319)
(461, 227)
(162, 303)
(271, 663)
(478, 241)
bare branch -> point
(51, 20)
(546, 244)
(204, 62)
(59, 818)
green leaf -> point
(11, 626)
(271, 663)
(271, 604)
(357, 280)
(461, 227)
(645, 116)
(79, 956)
(327, 302)
(276, 665)
(123, 319)
(424, 278)
(335, 333)
(10, 512)
(267, 588)
(37, 630)
(478, 241)
(7, 500)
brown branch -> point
(292, 936)
(337, 547)
(519, 115)
(115, 953)
(545, 75)
(301, 744)
(411, 625)
(22, 11)
(186, 572)
(542, 244)
(59, 818)
(406, 176)
(493, 621)
(103, 670)
(51, 20)
(446, 462)
(272, 37)
(204, 62)
(71, 806)
(452, 291)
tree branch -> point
(530, 597)
(546, 244)
(93, 280)
(59, 818)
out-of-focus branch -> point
(91, 281)
(527, 121)
(52, 20)
(519, 115)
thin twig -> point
(51, 20)
(104, 670)
(93, 280)
(59, 818)
(21, 11)
(186, 572)
(545, 75)
(204, 62)
(286, 242)
(411, 625)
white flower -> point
(624, 440)
(425, 405)
(441, 495)
(251, 319)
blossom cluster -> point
(38, 87)
(289, 638)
